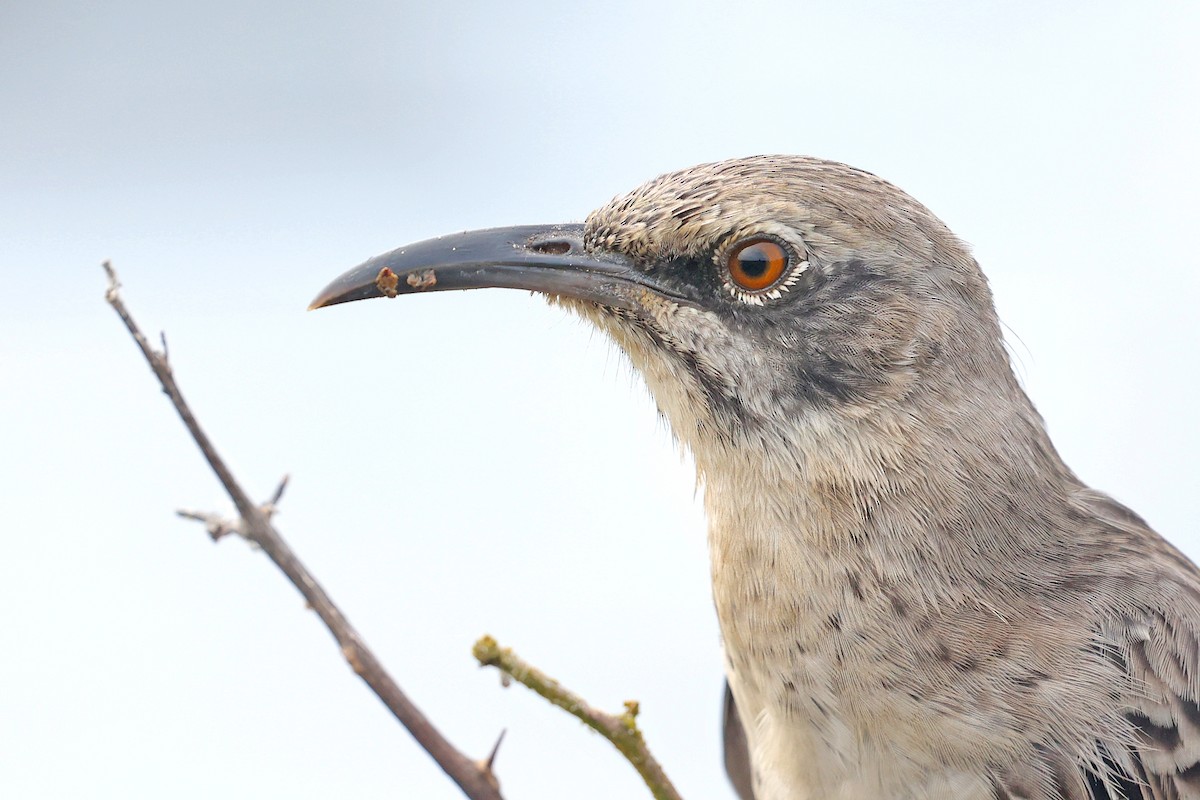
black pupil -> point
(753, 261)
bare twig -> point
(217, 526)
(475, 780)
(622, 731)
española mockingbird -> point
(917, 598)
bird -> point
(917, 598)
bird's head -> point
(751, 294)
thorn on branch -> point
(491, 759)
(485, 766)
(271, 506)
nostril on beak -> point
(552, 247)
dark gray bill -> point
(540, 258)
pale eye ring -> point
(757, 264)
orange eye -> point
(756, 264)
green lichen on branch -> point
(622, 731)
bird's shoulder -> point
(1150, 593)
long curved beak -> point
(542, 258)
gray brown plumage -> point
(917, 598)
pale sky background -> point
(480, 462)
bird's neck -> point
(935, 493)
